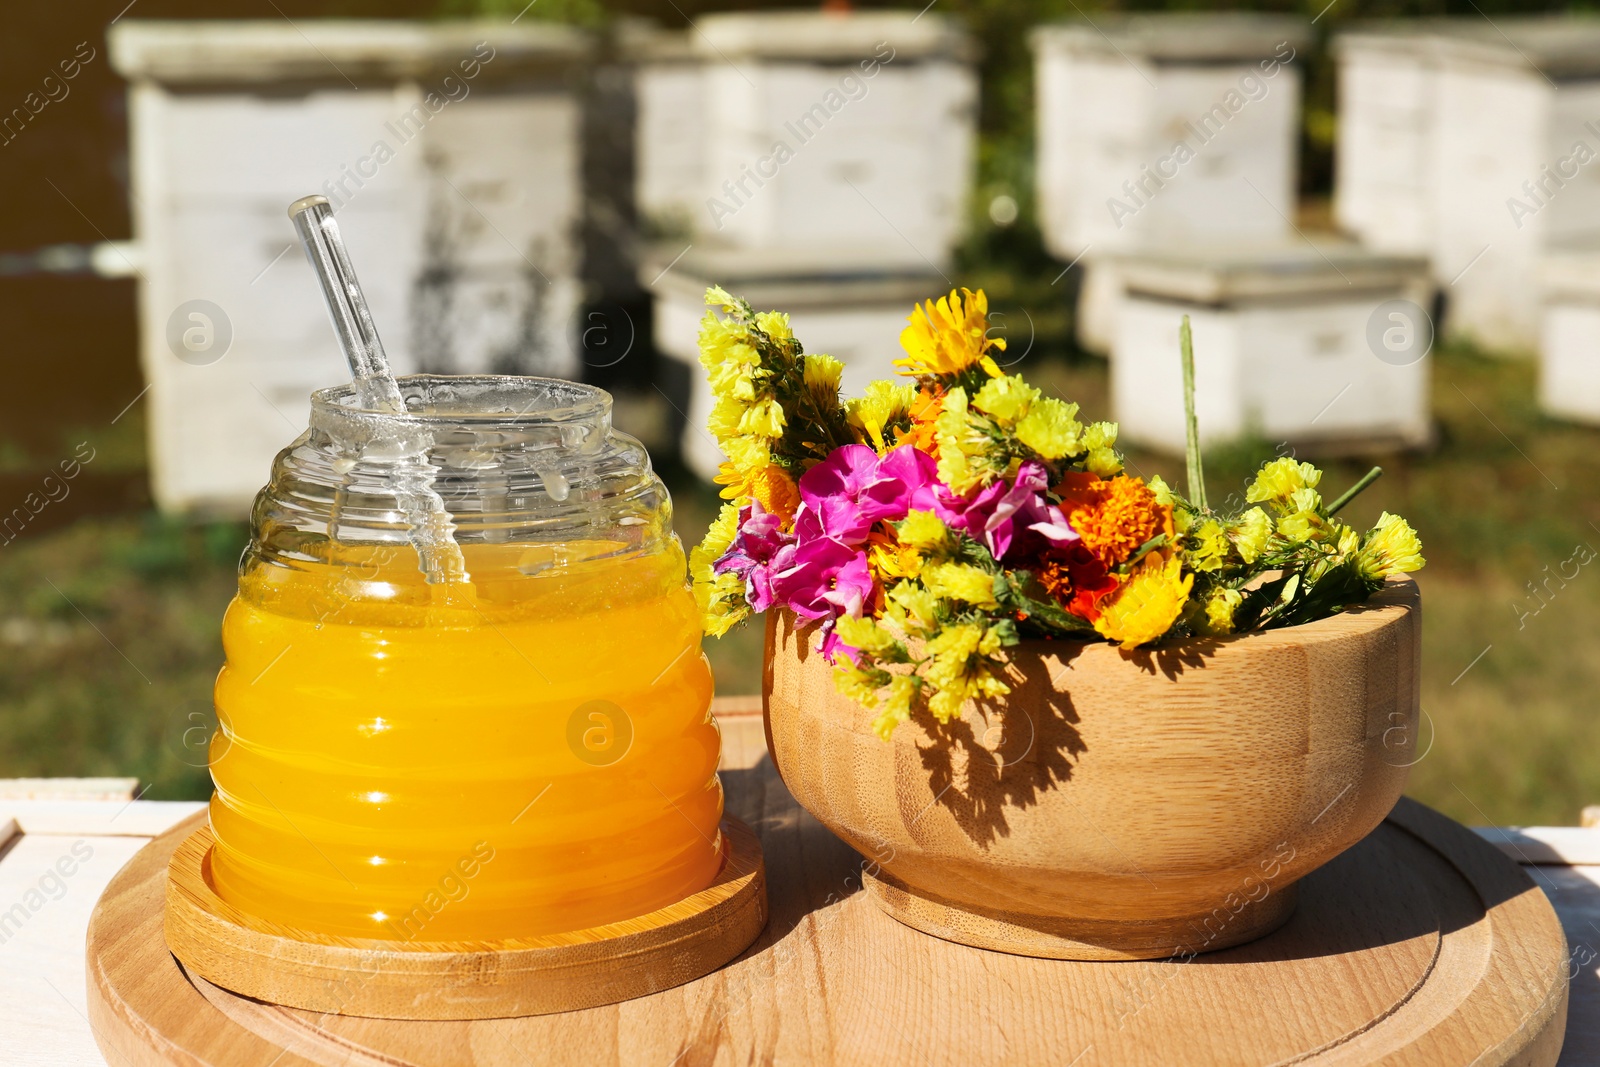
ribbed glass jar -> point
(521, 746)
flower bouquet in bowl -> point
(1064, 710)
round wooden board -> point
(463, 980)
(1421, 945)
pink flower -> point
(821, 578)
(1009, 520)
(852, 587)
(820, 572)
(1057, 529)
(845, 495)
(752, 552)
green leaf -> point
(1191, 425)
(1044, 614)
(1256, 601)
(1139, 553)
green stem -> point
(1350, 494)
(1197, 476)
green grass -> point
(109, 629)
(110, 637)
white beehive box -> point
(1284, 344)
(450, 153)
(1441, 122)
(1115, 100)
(1163, 130)
(848, 134)
(669, 86)
(857, 320)
(1569, 341)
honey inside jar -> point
(524, 753)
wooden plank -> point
(1575, 894)
(100, 818)
(1562, 846)
(68, 788)
(1420, 945)
(48, 887)
(735, 707)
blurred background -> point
(1382, 217)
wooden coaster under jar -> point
(464, 979)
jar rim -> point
(453, 399)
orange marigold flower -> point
(924, 414)
(769, 486)
(1078, 585)
(1114, 516)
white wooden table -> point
(61, 840)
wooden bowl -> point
(1117, 805)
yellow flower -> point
(1302, 520)
(1103, 459)
(775, 324)
(978, 684)
(764, 418)
(747, 453)
(719, 597)
(1161, 489)
(1281, 479)
(1391, 547)
(718, 538)
(946, 702)
(1104, 462)
(966, 455)
(717, 296)
(822, 374)
(888, 559)
(769, 486)
(1250, 534)
(956, 472)
(1208, 547)
(722, 340)
(723, 422)
(960, 581)
(1051, 428)
(897, 706)
(1345, 539)
(865, 633)
(923, 530)
(1100, 435)
(721, 602)
(1147, 604)
(957, 669)
(1219, 609)
(859, 684)
(1006, 398)
(948, 336)
(730, 361)
(953, 645)
(883, 404)
(735, 380)
(910, 606)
